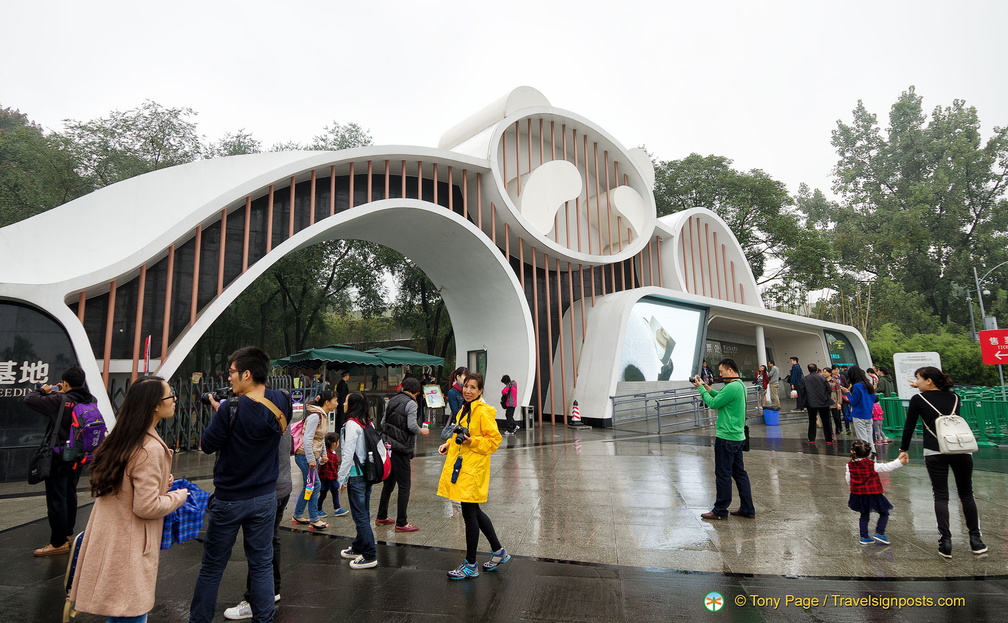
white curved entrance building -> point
(582, 288)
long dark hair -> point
(126, 437)
(357, 408)
(857, 375)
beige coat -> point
(117, 568)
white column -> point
(760, 346)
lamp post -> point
(978, 281)
(969, 303)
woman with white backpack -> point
(935, 400)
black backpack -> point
(378, 462)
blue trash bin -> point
(771, 417)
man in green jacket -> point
(730, 403)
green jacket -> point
(885, 386)
(730, 402)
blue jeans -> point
(137, 619)
(299, 506)
(359, 496)
(255, 518)
(728, 465)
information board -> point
(433, 397)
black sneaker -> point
(976, 545)
(945, 547)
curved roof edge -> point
(493, 113)
(123, 222)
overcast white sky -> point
(762, 83)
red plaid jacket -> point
(330, 469)
(863, 479)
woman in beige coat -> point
(130, 476)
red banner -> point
(994, 346)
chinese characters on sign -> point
(994, 346)
(31, 372)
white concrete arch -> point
(487, 314)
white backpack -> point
(952, 432)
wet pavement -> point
(603, 525)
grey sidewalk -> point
(604, 525)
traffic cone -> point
(575, 418)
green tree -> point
(233, 144)
(960, 354)
(36, 173)
(923, 202)
(125, 144)
(755, 206)
(420, 310)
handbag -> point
(952, 432)
(40, 464)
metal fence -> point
(678, 409)
(192, 413)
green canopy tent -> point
(400, 356)
(339, 354)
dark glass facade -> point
(34, 348)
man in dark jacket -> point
(399, 429)
(61, 485)
(342, 391)
(246, 473)
(797, 384)
(818, 401)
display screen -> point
(662, 341)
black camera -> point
(460, 432)
(220, 395)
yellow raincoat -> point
(473, 483)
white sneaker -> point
(243, 610)
(360, 563)
(349, 553)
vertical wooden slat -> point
(535, 322)
(350, 204)
(717, 267)
(311, 198)
(549, 335)
(560, 344)
(521, 261)
(290, 211)
(169, 281)
(138, 322)
(493, 223)
(388, 178)
(403, 177)
(507, 243)
(577, 200)
(465, 194)
(518, 169)
(220, 253)
(332, 190)
(451, 190)
(419, 180)
(435, 184)
(661, 281)
(587, 201)
(370, 181)
(81, 303)
(196, 275)
(598, 202)
(570, 297)
(109, 322)
(724, 269)
(479, 200)
(650, 262)
(245, 233)
(269, 220)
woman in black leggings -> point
(936, 399)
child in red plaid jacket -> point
(329, 475)
(866, 489)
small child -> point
(877, 416)
(866, 489)
(329, 476)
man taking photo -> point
(730, 403)
(245, 432)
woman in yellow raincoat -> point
(465, 477)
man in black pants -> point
(61, 485)
(818, 400)
(399, 428)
